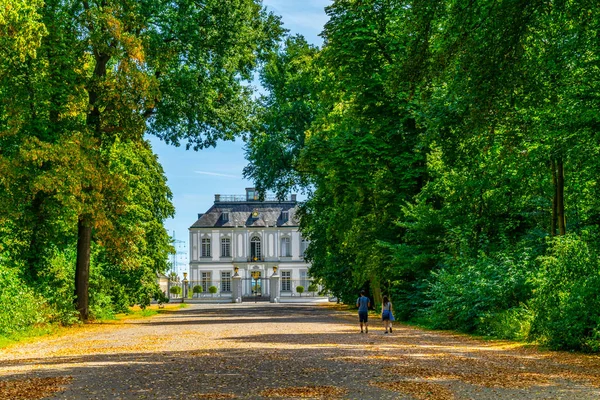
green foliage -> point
(567, 302)
(176, 290)
(197, 289)
(300, 289)
(20, 306)
(80, 85)
(465, 295)
(441, 144)
(213, 289)
(514, 324)
(313, 287)
(161, 298)
(55, 285)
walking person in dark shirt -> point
(363, 303)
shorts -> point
(385, 315)
(363, 316)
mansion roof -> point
(251, 213)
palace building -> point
(253, 238)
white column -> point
(236, 288)
(275, 288)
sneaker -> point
(385, 332)
(361, 332)
(367, 330)
(390, 330)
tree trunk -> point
(560, 197)
(82, 269)
(375, 290)
(554, 199)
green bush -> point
(474, 295)
(566, 305)
(20, 307)
(312, 288)
(300, 289)
(197, 289)
(56, 286)
(213, 289)
(176, 290)
(512, 324)
(161, 298)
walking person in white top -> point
(386, 314)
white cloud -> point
(217, 174)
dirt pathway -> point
(284, 351)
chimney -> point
(294, 197)
(217, 198)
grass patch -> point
(29, 335)
(136, 312)
(33, 333)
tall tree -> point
(111, 70)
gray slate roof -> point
(240, 214)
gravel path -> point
(257, 351)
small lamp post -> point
(275, 270)
(185, 281)
(235, 270)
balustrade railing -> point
(289, 288)
(239, 198)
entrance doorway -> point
(256, 287)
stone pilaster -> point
(236, 288)
(275, 288)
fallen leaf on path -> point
(305, 392)
(214, 396)
(419, 390)
(32, 388)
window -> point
(255, 249)
(205, 247)
(206, 281)
(304, 278)
(225, 216)
(225, 281)
(303, 247)
(286, 250)
(285, 216)
(286, 281)
(250, 195)
(225, 247)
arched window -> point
(255, 248)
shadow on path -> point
(327, 352)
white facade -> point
(253, 237)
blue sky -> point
(195, 177)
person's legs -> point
(362, 318)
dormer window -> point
(285, 216)
(225, 216)
(251, 194)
